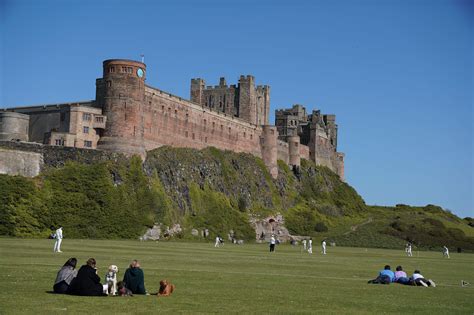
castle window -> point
(162, 108)
(205, 139)
(87, 144)
(111, 69)
(193, 135)
(109, 83)
(129, 70)
(186, 134)
(86, 116)
(251, 136)
(99, 119)
(124, 69)
(213, 125)
(85, 129)
(59, 142)
(245, 134)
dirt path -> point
(355, 227)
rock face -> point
(272, 225)
(158, 231)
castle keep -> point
(131, 117)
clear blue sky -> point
(398, 74)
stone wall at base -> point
(29, 159)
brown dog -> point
(166, 288)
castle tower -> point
(121, 93)
(294, 150)
(197, 91)
(247, 99)
(14, 126)
(270, 149)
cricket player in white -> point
(218, 241)
(59, 239)
(445, 252)
(409, 253)
(304, 244)
(310, 246)
(323, 244)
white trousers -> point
(310, 250)
(57, 245)
(324, 250)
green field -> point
(235, 279)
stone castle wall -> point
(171, 120)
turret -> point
(247, 99)
(270, 149)
(197, 91)
(294, 150)
(121, 93)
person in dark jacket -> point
(65, 275)
(87, 282)
(134, 278)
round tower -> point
(270, 149)
(294, 150)
(121, 93)
(14, 126)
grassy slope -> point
(235, 279)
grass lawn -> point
(235, 279)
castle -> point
(131, 117)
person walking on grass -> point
(323, 245)
(59, 239)
(445, 251)
(304, 244)
(408, 250)
(310, 246)
(272, 243)
(218, 241)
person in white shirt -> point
(310, 246)
(272, 243)
(218, 241)
(445, 251)
(304, 244)
(323, 245)
(59, 239)
(409, 253)
(418, 279)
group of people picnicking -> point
(387, 276)
(86, 281)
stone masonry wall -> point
(29, 159)
(171, 120)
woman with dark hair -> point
(65, 275)
(401, 276)
(87, 282)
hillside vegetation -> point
(217, 190)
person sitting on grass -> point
(87, 282)
(401, 276)
(385, 276)
(134, 278)
(65, 275)
(418, 280)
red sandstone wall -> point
(304, 151)
(283, 151)
(171, 120)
